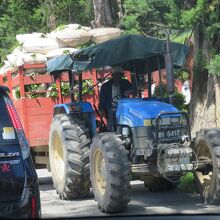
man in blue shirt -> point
(111, 91)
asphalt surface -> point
(142, 202)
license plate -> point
(169, 134)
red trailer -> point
(36, 113)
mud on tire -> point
(207, 147)
(110, 172)
(69, 157)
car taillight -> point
(25, 149)
(14, 116)
(33, 207)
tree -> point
(55, 13)
(146, 17)
(107, 13)
(202, 16)
(16, 18)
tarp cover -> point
(60, 64)
(133, 52)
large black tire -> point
(207, 147)
(110, 172)
(69, 157)
(157, 184)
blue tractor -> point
(152, 141)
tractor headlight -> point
(167, 121)
(174, 121)
(147, 122)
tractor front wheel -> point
(207, 148)
(110, 172)
(69, 157)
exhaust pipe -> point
(169, 68)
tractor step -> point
(143, 168)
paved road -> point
(142, 202)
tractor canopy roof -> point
(133, 52)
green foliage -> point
(146, 16)
(87, 87)
(204, 13)
(132, 14)
(17, 93)
(214, 65)
(187, 183)
(57, 13)
(195, 14)
(179, 101)
(65, 88)
(53, 92)
(89, 43)
(178, 98)
(16, 18)
(199, 63)
(180, 37)
(34, 88)
(181, 74)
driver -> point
(111, 91)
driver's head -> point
(117, 73)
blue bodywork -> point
(133, 111)
(130, 111)
(85, 107)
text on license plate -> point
(169, 134)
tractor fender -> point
(84, 107)
(61, 109)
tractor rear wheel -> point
(207, 149)
(110, 172)
(157, 184)
(69, 157)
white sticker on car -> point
(8, 133)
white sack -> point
(12, 58)
(33, 58)
(73, 38)
(5, 68)
(60, 51)
(40, 45)
(100, 35)
(21, 38)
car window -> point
(8, 134)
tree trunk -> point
(102, 13)
(48, 11)
(205, 103)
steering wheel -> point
(115, 99)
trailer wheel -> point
(207, 148)
(69, 157)
(110, 172)
(157, 184)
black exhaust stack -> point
(169, 68)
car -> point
(19, 186)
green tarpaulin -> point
(60, 64)
(133, 52)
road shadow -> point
(173, 201)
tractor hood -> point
(133, 112)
